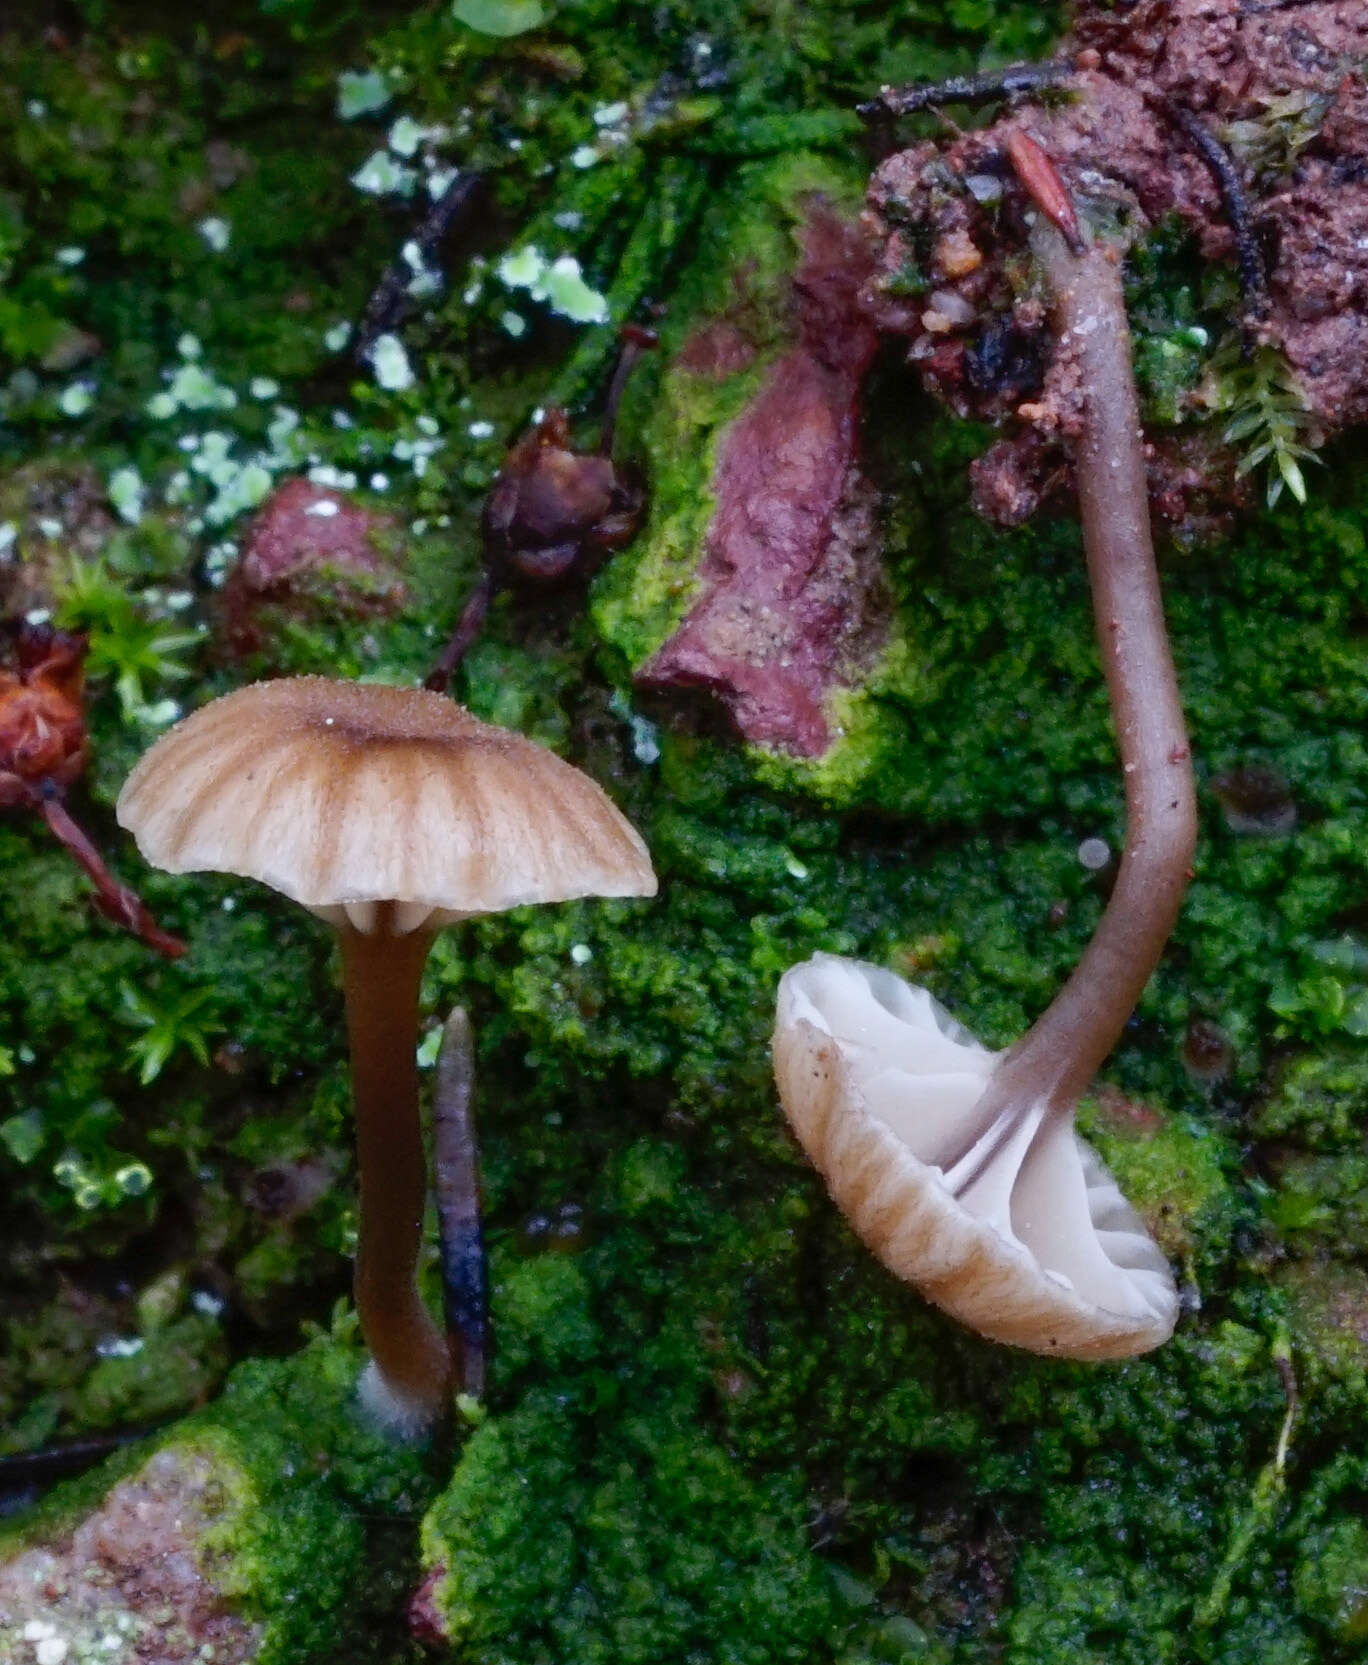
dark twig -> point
(456, 1180)
(27, 1471)
(1010, 82)
(389, 298)
(1248, 255)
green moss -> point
(717, 1429)
(293, 1477)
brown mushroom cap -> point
(1039, 1249)
(343, 795)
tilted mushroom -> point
(961, 1167)
(1037, 1247)
(389, 812)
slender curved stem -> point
(381, 975)
(1057, 1058)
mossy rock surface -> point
(717, 1431)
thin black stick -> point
(1248, 255)
(390, 298)
(456, 1180)
(1010, 82)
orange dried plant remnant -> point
(43, 750)
(42, 716)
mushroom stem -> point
(1057, 1058)
(456, 1176)
(381, 976)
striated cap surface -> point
(344, 795)
(1016, 1230)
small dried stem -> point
(1010, 82)
(390, 298)
(456, 1180)
(117, 902)
(463, 637)
(636, 340)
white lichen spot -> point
(1094, 854)
(120, 1347)
(280, 427)
(523, 268)
(645, 740)
(127, 493)
(216, 232)
(391, 364)
(406, 135)
(566, 292)
(560, 283)
(381, 176)
(427, 279)
(362, 93)
(195, 388)
(76, 399)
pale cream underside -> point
(1038, 1249)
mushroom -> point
(961, 1167)
(1037, 1247)
(389, 812)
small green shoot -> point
(137, 651)
(183, 1024)
(1267, 419)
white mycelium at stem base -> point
(1037, 1246)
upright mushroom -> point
(390, 813)
(961, 1168)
